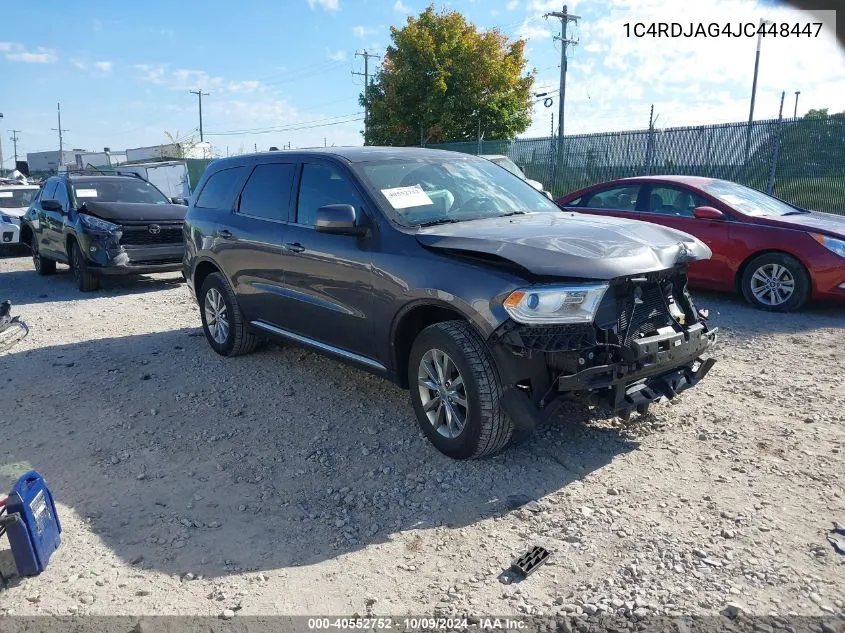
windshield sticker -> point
(7, 194)
(86, 193)
(404, 197)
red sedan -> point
(778, 256)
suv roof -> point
(350, 154)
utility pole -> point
(366, 75)
(1, 150)
(649, 148)
(763, 23)
(14, 138)
(200, 94)
(60, 129)
(795, 112)
(565, 18)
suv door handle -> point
(294, 247)
(225, 234)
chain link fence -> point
(800, 160)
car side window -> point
(668, 200)
(61, 195)
(319, 186)
(267, 192)
(613, 198)
(220, 190)
(49, 190)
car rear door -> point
(250, 238)
(328, 277)
(672, 205)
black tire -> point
(239, 340)
(794, 270)
(86, 280)
(487, 428)
(43, 266)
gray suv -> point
(449, 276)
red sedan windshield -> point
(746, 200)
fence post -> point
(770, 186)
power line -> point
(281, 127)
(200, 95)
(305, 125)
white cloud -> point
(362, 31)
(327, 5)
(187, 79)
(338, 55)
(530, 28)
(401, 7)
(17, 53)
(512, 5)
(105, 67)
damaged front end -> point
(12, 329)
(644, 343)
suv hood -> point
(570, 244)
(15, 212)
(136, 211)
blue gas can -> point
(34, 536)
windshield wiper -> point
(436, 222)
(505, 215)
(797, 212)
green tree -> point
(441, 78)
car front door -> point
(50, 222)
(250, 241)
(328, 277)
(618, 201)
(672, 206)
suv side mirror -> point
(179, 201)
(708, 213)
(52, 205)
(338, 219)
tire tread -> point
(244, 340)
(496, 427)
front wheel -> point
(776, 282)
(85, 280)
(455, 391)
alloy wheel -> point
(442, 393)
(772, 284)
(216, 316)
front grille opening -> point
(142, 236)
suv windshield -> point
(16, 198)
(118, 190)
(746, 200)
(449, 189)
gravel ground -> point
(286, 483)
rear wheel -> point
(455, 391)
(776, 282)
(43, 266)
(222, 320)
(85, 280)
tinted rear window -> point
(267, 192)
(220, 190)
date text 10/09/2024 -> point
(726, 29)
(414, 624)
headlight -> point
(7, 218)
(96, 224)
(830, 243)
(555, 304)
